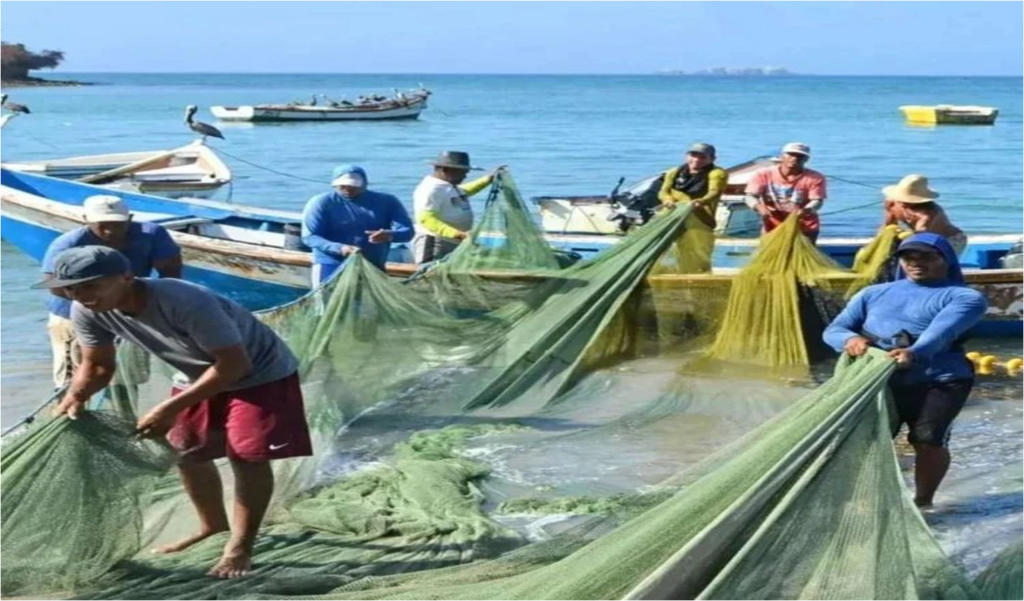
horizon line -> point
(631, 74)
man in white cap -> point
(349, 219)
(789, 187)
(108, 222)
(444, 216)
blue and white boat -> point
(255, 256)
(239, 251)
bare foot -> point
(233, 564)
(187, 542)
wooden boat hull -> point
(193, 170)
(256, 275)
(265, 114)
(240, 251)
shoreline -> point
(42, 83)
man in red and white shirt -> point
(778, 191)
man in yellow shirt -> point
(443, 213)
(700, 183)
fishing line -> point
(268, 169)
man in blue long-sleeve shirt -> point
(352, 219)
(921, 319)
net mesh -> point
(403, 380)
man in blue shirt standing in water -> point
(351, 219)
(921, 319)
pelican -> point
(13, 106)
(203, 129)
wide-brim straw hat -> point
(912, 189)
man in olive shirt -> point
(243, 400)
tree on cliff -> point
(18, 61)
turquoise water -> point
(563, 134)
(578, 134)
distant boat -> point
(401, 106)
(946, 114)
(193, 170)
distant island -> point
(17, 61)
(744, 71)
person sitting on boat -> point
(699, 182)
(912, 202)
(443, 213)
(789, 187)
(921, 320)
(352, 218)
(108, 222)
(243, 399)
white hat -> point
(349, 179)
(797, 148)
(105, 208)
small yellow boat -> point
(947, 114)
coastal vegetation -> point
(18, 61)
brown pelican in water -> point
(13, 106)
(203, 129)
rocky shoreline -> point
(41, 83)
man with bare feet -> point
(243, 400)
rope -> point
(274, 171)
(31, 417)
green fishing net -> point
(74, 492)
(406, 383)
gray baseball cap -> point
(701, 148)
(83, 264)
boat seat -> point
(180, 222)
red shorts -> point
(260, 423)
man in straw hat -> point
(922, 320)
(912, 202)
(352, 218)
(789, 187)
(242, 400)
(441, 204)
(108, 222)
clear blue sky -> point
(848, 38)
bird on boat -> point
(13, 106)
(203, 129)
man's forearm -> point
(215, 380)
(87, 381)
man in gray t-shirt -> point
(243, 400)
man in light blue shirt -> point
(922, 320)
(147, 246)
(349, 219)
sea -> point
(578, 134)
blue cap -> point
(83, 264)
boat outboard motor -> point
(634, 207)
(1014, 259)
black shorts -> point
(929, 409)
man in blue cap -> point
(242, 401)
(921, 319)
(351, 219)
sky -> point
(827, 38)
